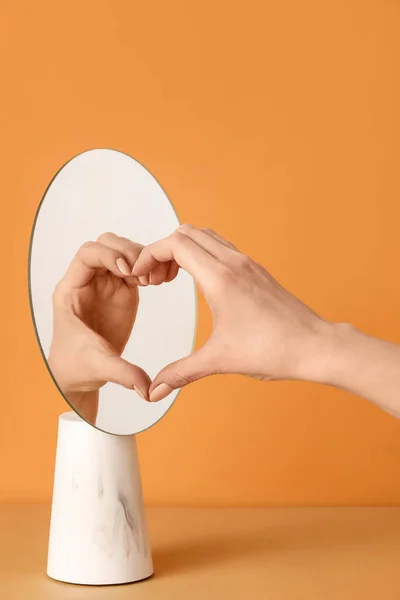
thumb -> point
(182, 372)
(117, 370)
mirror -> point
(106, 192)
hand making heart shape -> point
(259, 328)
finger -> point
(91, 257)
(117, 370)
(210, 243)
(189, 255)
(174, 267)
(173, 271)
(182, 372)
(217, 237)
(159, 274)
(130, 250)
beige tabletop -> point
(277, 554)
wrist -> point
(329, 352)
(84, 403)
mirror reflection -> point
(103, 333)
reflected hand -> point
(95, 306)
(259, 328)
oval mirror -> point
(89, 318)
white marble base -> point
(98, 531)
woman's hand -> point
(94, 307)
(259, 328)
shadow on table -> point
(325, 532)
(195, 554)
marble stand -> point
(98, 531)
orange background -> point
(275, 123)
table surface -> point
(249, 554)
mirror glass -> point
(85, 316)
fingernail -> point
(139, 391)
(150, 278)
(160, 392)
(144, 279)
(123, 266)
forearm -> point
(352, 360)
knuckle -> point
(225, 276)
(134, 247)
(243, 262)
(88, 246)
(185, 228)
(106, 237)
(180, 380)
